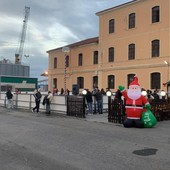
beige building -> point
(134, 38)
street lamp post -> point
(109, 94)
(66, 51)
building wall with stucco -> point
(142, 35)
(87, 70)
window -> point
(111, 54)
(155, 80)
(67, 61)
(95, 81)
(55, 83)
(155, 14)
(131, 20)
(111, 81)
(80, 82)
(55, 62)
(95, 57)
(131, 53)
(155, 48)
(130, 78)
(111, 26)
(80, 59)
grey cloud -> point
(47, 17)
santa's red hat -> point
(134, 82)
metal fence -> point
(117, 112)
(59, 103)
(76, 106)
(27, 101)
(161, 109)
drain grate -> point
(145, 152)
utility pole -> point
(66, 51)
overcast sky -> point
(51, 24)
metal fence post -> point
(16, 101)
(109, 108)
(30, 104)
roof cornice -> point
(118, 7)
(80, 43)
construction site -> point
(16, 75)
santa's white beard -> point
(133, 94)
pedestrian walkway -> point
(63, 142)
(103, 118)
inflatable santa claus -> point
(135, 102)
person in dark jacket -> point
(99, 98)
(37, 95)
(9, 96)
(89, 100)
(94, 92)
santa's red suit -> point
(134, 108)
(135, 102)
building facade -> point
(133, 40)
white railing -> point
(27, 101)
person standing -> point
(9, 96)
(62, 91)
(67, 92)
(99, 98)
(37, 95)
(48, 103)
(94, 92)
(89, 100)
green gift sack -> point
(148, 119)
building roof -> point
(80, 43)
(116, 7)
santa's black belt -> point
(134, 105)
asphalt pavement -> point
(30, 141)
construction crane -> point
(19, 52)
